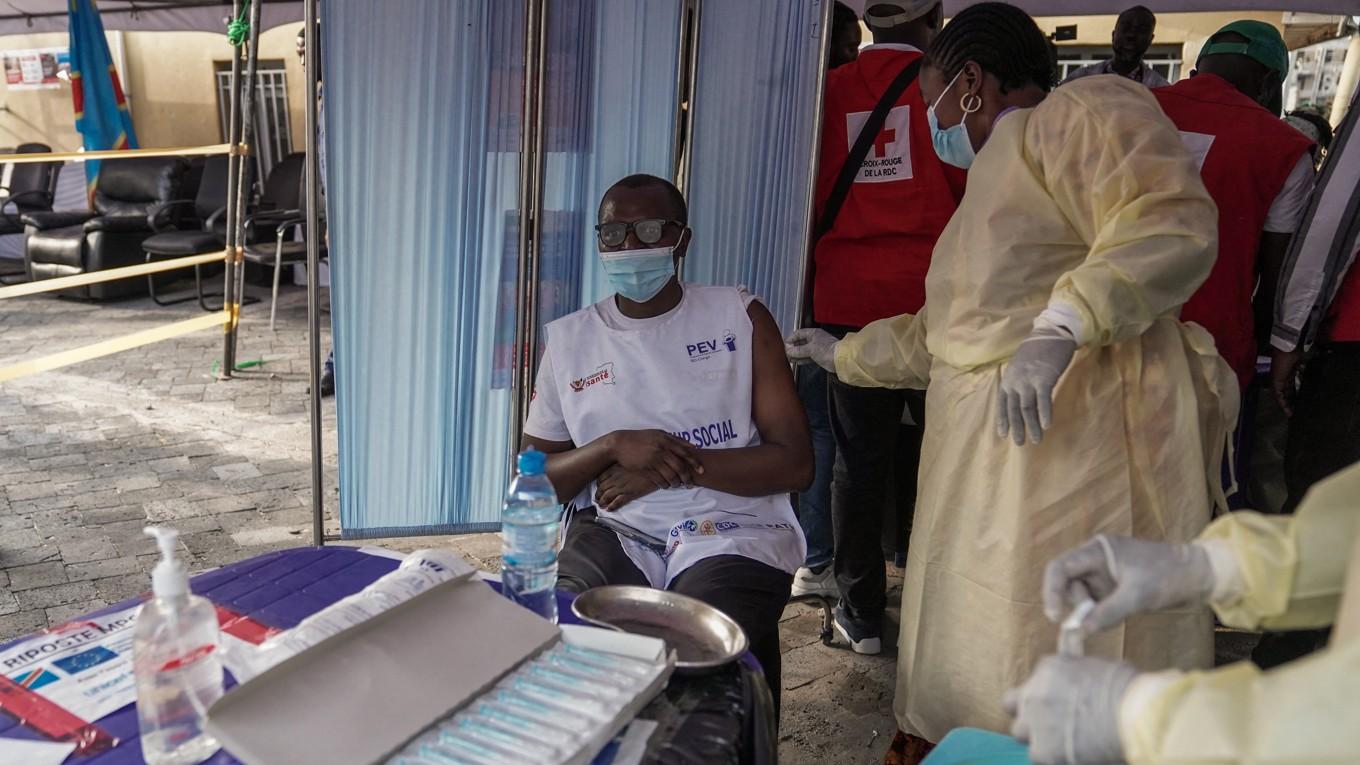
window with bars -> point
(273, 127)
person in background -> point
(1318, 308)
(1257, 572)
(869, 262)
(1050, 318)
(1132, 36)
(813, 506)
(1258, 169)
(1315, 127)
(845, 36)
(669, 409)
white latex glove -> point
(1068, 710)
(1126, 576)
(812, 344)
(1025, 400)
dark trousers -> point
(1324, 434)
(814, 505)
(1324, 438)
(750, 592)
(866, 423)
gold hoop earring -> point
(970, 102)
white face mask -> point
(639, 274)
(952, 145)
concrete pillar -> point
(1345, 87)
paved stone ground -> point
(91, 453)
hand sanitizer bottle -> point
(175, 662)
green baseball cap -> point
(1264, 45)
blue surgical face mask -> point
(952, 145)
(639, 274)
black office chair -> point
(282, 251)
(178, 235)
(30, 187)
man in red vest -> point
(870, 263)
(1258, 169)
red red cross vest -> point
(1245, 155)
(1343, 318)
(872, 263)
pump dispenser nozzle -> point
(168, 578)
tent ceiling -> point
(1102, 7)
(1098, 7)
(26, 16)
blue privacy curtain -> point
(752, 147)
(609, 111)
(422, 108)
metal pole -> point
(690, 20)
(688, 97)
(539, 160)
(234, 169)
(682, 49)
(311, 69)
(237, 285)
(814, 155)
(528, 170)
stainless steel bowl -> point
(701, 636)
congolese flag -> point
(101, 111)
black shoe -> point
(327, 383)
(863, 638)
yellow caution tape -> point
(107, 347)
(109, 275)
(63, 156)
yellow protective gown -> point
(1303, 713)
(1089, 199)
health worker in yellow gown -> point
(1258, 572)
(1065, 398)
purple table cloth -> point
(272, 591)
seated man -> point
(672, 409)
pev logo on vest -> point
(703, 349)
(712, 434)
(603, 375)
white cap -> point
(168, 578)
(908, 10)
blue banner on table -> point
(102, 115)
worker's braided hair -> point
(1003, 40)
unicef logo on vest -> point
(703, 349)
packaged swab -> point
(566, 719)
(1071, 636)
(560, 698)
(509, 720)
(574, 666)
(521, 747)
(527, 696)
(635, 667)
(448, 756)
(573, 684)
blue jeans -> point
(814, 505)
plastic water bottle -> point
(176, 664)
(529, 527)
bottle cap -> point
(532, 462)
(168, 578)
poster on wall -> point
(36, 68)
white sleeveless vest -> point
(687, 372)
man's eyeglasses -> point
(648, 230)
